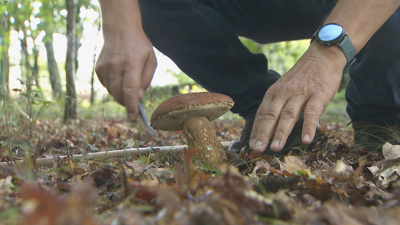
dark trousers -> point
(201, 37)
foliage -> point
(281, 56)
(322, 183)
(335, 111)
(183, 79)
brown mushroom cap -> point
(170, 114)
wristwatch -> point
(333, 34)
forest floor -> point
(324, 183)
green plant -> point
(34, 102)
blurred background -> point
(50, 75)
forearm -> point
(120, 15)
(362, 18)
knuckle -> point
(288, 114)
(316, 89)
(114, 63)
(128, 88)
(269, 115)
(281, 132)
(311, 110)
(268, 96)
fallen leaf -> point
(391, 151)
(40, 205)
(341, 167)
(374, 170)
(80, 203)
(5, 186)
(295, 163)
(5, 171)
(389, 172)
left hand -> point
(307, 87)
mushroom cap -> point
(170, 114)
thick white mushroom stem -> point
(200, 135)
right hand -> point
(126, 67)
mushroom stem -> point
(200, 135)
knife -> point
(145, 120)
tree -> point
(70, 103)
(24, 22)
(5, 42)
(51, 22)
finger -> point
(148, 73)
(312, 112)
(115, 85)
(101, 70)
(288, 117)
(268, 117)
(131, 90)
(268, 98)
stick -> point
(49, 162)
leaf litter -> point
(324, 183)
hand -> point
(126, 67)
(307, 87)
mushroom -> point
(192, 113)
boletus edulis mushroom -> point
(192, 113)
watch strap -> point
(348, 50)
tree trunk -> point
(78, 34)
(35, 69)
(70, 103)
(4, 70)
(53, 69)
(5, 63)
(26, 70)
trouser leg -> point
(201, 37)
(373, 93)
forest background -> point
(49, 50)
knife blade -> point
(146, 122)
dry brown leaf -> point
(5, 186)
(144, 190)
(342, 167)
(294, 163)
(5, 171)
(41, 205)
(373, 169)
(81, 203)
(67, 168)
(391, 151)
(389, 172)
(338, 214)
(237, 188)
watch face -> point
(330, 32)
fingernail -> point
(275, 144)
(131, 117)
(306, 138)
(252, 143)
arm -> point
(127, 61)
(315, 78)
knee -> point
(155, 15)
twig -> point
(5, 87)
(25, 115)
(49, 162)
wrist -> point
(332, 53)
(120, 16)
